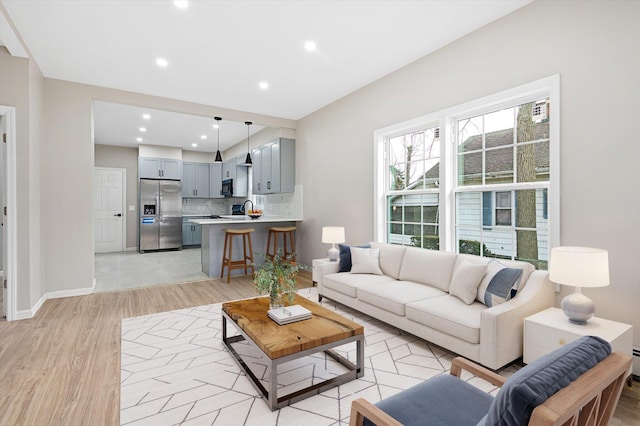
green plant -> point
(278, 277)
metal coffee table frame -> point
(271, 395)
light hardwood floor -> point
(63, 366)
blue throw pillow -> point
(538, 381)
(345, 256)
(502, 286)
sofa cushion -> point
(535, 383)
(348, 284)
(345, 256)
(365, 261)
(430, 267)
(466, 279)
(499, 284)
(390, 258)
(394, 296)
(449, 315)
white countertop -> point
(245, 219)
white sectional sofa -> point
(421, 291)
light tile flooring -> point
(124, 270)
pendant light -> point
(218, 155)
(247, 161)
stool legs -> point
(287, 240)
(246, 262)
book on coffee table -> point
(289, 314)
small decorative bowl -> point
(254, 215)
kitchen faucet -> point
(243, 204)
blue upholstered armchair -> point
(577, 384)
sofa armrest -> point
(501, 327)
(322, 268)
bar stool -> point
(227, 255)
(287, 233)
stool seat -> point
(239, 231)
(282, 228)
(287, 237)
(246, 262)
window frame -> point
(446, 120)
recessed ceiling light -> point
(194, 145)
(310, 46)
(181, 4)
(139, 139)
(203, 136)
(264, 85)
(146, 116)
(143, 129)
(161, 62)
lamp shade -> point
(579, 266)
(333, 234)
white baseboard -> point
(132, 249)
(30, 313)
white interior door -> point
(108, 211)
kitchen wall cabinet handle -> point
(118, 214)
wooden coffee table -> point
(282, 343)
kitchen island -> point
(213, 239)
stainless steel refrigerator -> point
(160, 214)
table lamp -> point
(333, 235)
(579, 267)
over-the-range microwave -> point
(227, 188)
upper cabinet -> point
(274, 167)
(159, 168)
(195, 180)
(215, 180)
(241, 180)
(229, 169)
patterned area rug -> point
(176, 371)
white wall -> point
(592, 45)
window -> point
(412, 188)
(476, 178)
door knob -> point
(118, 214)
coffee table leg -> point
(273, 386)
(360, 356)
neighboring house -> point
(495, 231)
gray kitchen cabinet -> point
(256, 157)
(195, 180)
(275, 172)
(229, 169)
(191, 232)
(241, 180)
(159, 168)
(215, 180)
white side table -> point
(550, 329)
(320, 267)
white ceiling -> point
(116, 124)
(219, 50)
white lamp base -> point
(333, 253)
(578, 307)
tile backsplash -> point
(286, 205)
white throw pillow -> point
(365, 261)
(466, 279)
